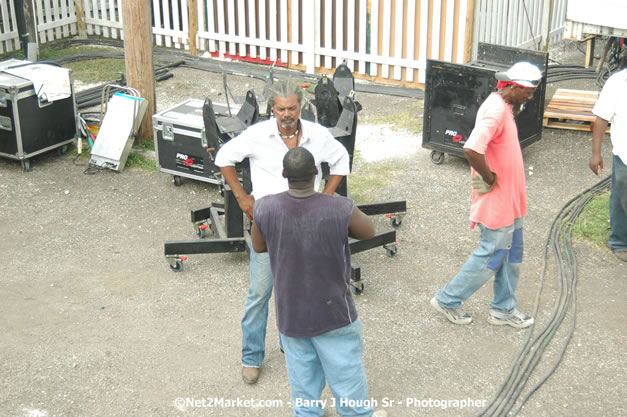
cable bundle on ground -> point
(560, 240)
(557, 73)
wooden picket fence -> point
(381, 40)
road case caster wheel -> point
(391, 251)
(437, 157)
(203, 230)
(396, 221)
(61, 150)
(176, 180)
(177, 267)
(26, 165)
(357, 287)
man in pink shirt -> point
(499, 202)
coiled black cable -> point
(559, 238)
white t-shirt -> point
(612, 106)
(264, 148)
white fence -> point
(383, 40)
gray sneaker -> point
(514, 318)
(454, 315)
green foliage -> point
(137, 160)
(147, 145)
(88, 71)
(97, 70)
(593, 224)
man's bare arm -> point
(244, 200)
(332, 183)
(259, 244)
(360, 226)
(477, 161)
(598, 132)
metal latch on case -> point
(5, 123)
(203, 138)
(168, 131)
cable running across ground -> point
(559, 239)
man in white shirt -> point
(612, 106)
(265, 144)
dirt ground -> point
(94, 322)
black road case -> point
(454, 93)
(181, 145)
(29, 126)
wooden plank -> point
(386, 18)
(88, 10)
(374, 34)
(295, 30)
(165, 23)
(449, 27)
(436, 29)
(575, 98)
(211, 25)
(328, 31)
(423, 49)
(156, 7)
(557, 124)
(230, 11)
(283, 29)
(570, 115)
(571, 109)
(457, 27)
(64, 15)
(398, 36)
(263, 32)
(272, 29)
(410, 46)
(221, 27)
(363, 25)
(115, 33)
(252, 26)
(339, 27)
(312, 31)
(350, 31)
(241, 26)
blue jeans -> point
(500, 252)
(618, 206)
(336, 356)
(255, 318)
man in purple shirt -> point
(306, 236)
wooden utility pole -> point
(470, 30)
(31, 27)
(80, 19)
(192, 11)
(138, 58)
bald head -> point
(299, 165)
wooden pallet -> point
(571, 109)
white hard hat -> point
(524, 74)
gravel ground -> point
(94, 323)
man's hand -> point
(480, 186)
(598, 131)
(596, 162)
(246, 203)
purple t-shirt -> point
(307, 241)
